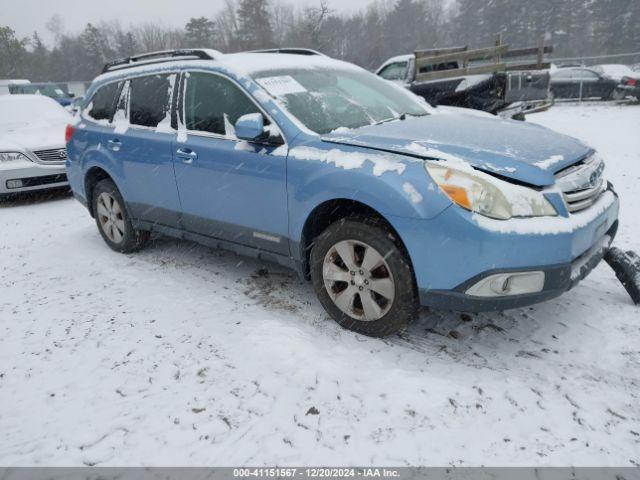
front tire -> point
(363, 277)
(113, 220)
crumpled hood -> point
(35, 136)
(522, 151)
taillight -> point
(68, 133)
(632, 82)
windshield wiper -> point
(402, 116)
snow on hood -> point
(32, 122)
(521, 151)
(37, 136)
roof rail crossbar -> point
(291, 51)
(161, 56)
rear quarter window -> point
(102, 103)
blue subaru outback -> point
(383, 202)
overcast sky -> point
(25, 16)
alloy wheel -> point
(111, 217)
(358, 280)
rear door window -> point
(103, 102)
(150, 100)
(213, 104)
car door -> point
(230, 189)
(142, 142)
(589, 82)
(562, 84)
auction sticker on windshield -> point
(281, 85)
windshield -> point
(328, 99)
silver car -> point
(32, 144)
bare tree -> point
(152, 37)
(227, 27)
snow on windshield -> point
(327, 99)
(21, 110)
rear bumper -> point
(19, 177)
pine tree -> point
(12, 53)
(126, 44)
(469, 23)
(254, 27)
(39, 59)
(200, 32)
(405, 28)
(96, 48)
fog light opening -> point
(507, 284)
(14, 183)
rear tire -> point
(371, 290)
(113, 219)
(617, 95)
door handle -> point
(186, 154)
(115, 144)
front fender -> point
(391, 184)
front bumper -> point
(26, 176)
(558, 280)
(454, 251)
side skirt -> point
(242, 250)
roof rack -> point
(291, 51)
(161, 57)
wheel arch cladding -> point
(94, 175)
(334, 210)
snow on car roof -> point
(238, 64)
(250, 63)
(615, 71)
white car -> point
(32, 145)
(628, 79)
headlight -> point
(487, 195)
(12, 156)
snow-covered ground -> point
(179, 355)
